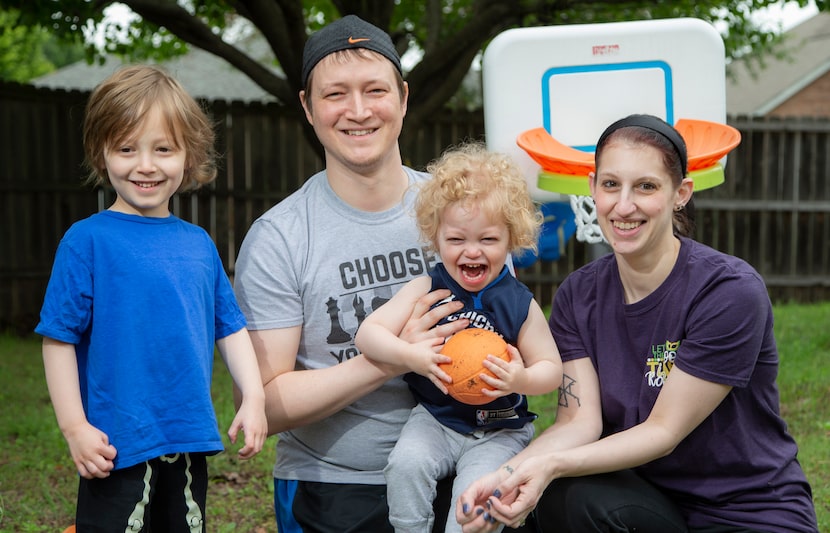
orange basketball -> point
(468, 349)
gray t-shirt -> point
(313, 260)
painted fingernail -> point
(487, 504)
(497, 493)
(465, 508)
(479, 511)
(487, 517)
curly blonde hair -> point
(120, 104)
(472, 175)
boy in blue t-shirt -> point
(135, 303)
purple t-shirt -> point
(713, 319)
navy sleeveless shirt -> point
(501, 307)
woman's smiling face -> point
(635, 197)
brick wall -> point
(811, 101)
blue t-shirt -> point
(143, 300)
(712, 318)
(502, 307)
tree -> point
(30, 51)
(447, 34)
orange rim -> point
(706, 143)
(553, 156)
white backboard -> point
(575, 80)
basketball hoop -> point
(566, 83)
(565, 169)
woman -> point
(668, 413)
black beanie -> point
(348, 32)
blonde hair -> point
(471, 175)
(120, 104)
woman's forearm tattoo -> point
(566, 395)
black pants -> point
(341, 508)
(618, 502)
(334, 508)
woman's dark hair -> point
(653, 131)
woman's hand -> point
(471, 509)
(506, 496)
(514, 499)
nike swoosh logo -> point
(352, 40)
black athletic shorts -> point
(166, 494)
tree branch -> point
(192, 30)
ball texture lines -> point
(468, 349)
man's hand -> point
(421, 323)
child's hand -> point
(510, 376)
(91, 450)
(251, 420)
(424, 359)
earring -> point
(678, 207)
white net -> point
(587, 229)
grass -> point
(38, 481)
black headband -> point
(652, 123)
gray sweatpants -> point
(428, 451)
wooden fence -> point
(773, 210)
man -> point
(313, 266)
